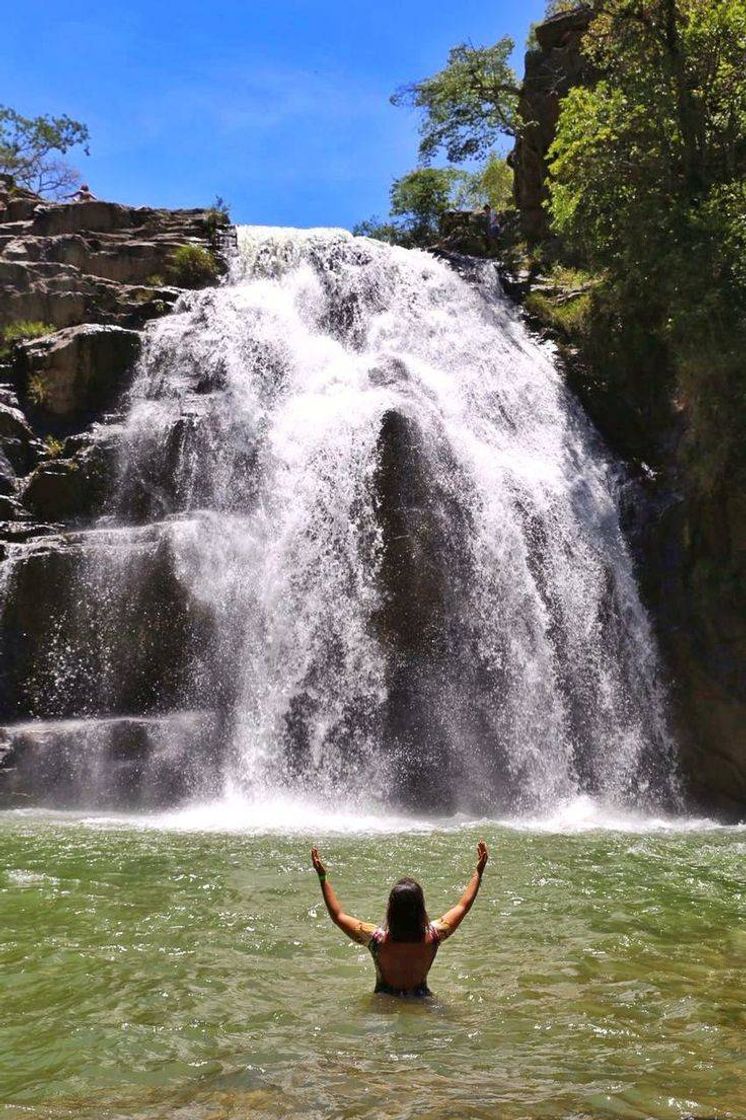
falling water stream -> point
(361, 579)
(392, 546)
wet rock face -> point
(550, 72)
(692, 551)
(95, 655)
(83, 632)
(117, 763)
(79, 370)
(421, 567)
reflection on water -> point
(164, 972)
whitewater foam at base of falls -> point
(397, 539)
(310, 820)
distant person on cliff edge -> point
(491, 222)
(404, 947)
(83, 194)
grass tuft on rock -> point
(193, 266)
(21, 331)
(38, 390)
(53, 447)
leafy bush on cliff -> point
(421, 197)
(193, 266)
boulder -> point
(14, 424)
(71, 489)
(41, 304)
(78, 370)
(21, 209)
(18, 445)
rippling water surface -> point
(181, 970)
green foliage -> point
(466, 106)
(37, 390)
(218, 217)
(27, 147)
(421, 197)
(53, 447)
(642, 150)
(492, 183)
(24, 329)
(20, 331)
(556, 7)
(564, 301)
(647, 186)
(193, 266)
(374, 227)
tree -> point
(647, 186)
(421, 197)
(558, 7)
(491, 183)
(27, 147)
(466, 106)
(379, 230)
(637, 156)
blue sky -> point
(281, 107)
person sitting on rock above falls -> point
(404, 948)
(82, 194)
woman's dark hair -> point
(406, 916)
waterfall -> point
(369, 530)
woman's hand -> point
(316, 861)
(482, 856)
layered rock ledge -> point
(78, 283)
(93, 273)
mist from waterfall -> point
(401, 536)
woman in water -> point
(404, 948)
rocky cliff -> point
(551, 69)
(689, 534)
(78, 282)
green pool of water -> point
(150, 972)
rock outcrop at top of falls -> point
(92, 273)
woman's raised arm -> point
(453, 918)
(353, 927)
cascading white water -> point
(376, 487)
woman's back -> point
(402, 966)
